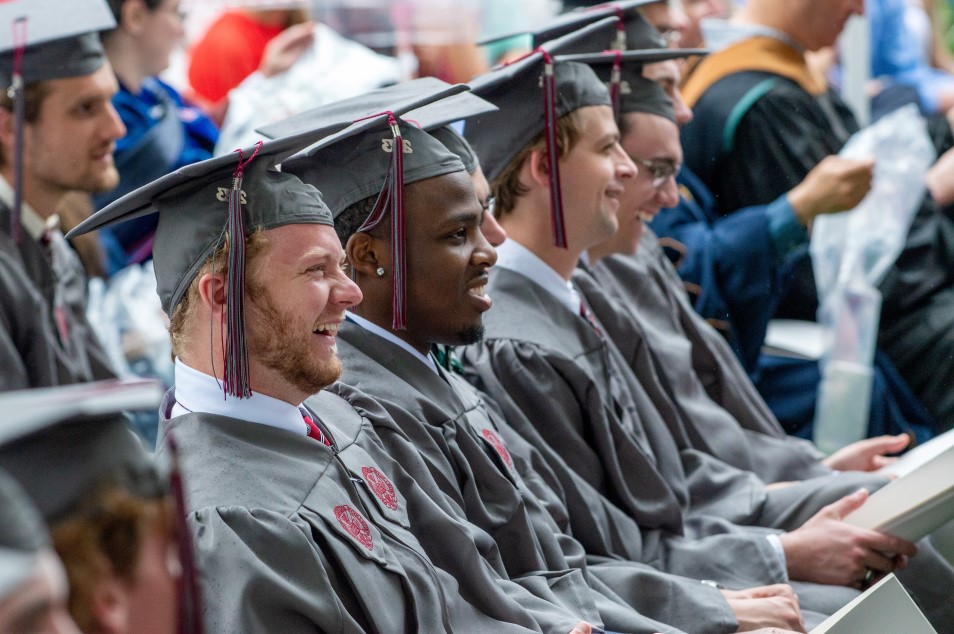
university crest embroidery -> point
(498, 444)
(356, 525)
(380, 486)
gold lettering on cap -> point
(624, 87)
(222, 194)
(387, 145)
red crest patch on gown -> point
(356, 525)
(498, 444)
(380, 486)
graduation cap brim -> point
(28, 411)
(495, 151)
(447, 111)
(61, 444)
(566, 23)
(646, 56)
(333, 117)
(141, 201)
(49, 20)
(398, 110)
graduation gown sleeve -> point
(28, 347)
(730, 264)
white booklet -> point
(884, 607)
(919, 455)
(920, 500)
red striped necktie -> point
(315, 432)
(587, 314)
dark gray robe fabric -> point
(288, 540)
(586, 404)
(44, 283)
(702, 375)
(539, 359)
(467, 450)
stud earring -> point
(380, 271)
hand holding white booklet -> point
(920, 500)
(884, 607)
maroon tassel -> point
(620, 43)
(616, 81)
(398, 255)
(553, 151)
(391, 199)
(190, 593)
(15, 92)
(235, 379)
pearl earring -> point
(380, 271)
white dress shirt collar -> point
(34, 225)
(513, 256)
(375, 329)
(198, 392)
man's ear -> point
(537, 167)
(366, 253)
(213, 290)
(110, 607)
(133, 16)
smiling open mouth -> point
(327, 329)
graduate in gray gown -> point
(545, 355)
(296, 528)
(45, 338)
(702, 375)
(33, 586)
(444, 433)
(110, 511)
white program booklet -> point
(884, 607)
(919, 455)
(919, 501)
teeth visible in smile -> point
(331, 329)
(645, 217)
(478, 291)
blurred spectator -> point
(234, 47)
(901, 45)
(330, 69)
(163, 132)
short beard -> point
(468, 336)
(277, 346)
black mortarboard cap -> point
(22, 536)
(42, 40)
(632, 30)
(353, 166)
(532, 93)
(205, 204)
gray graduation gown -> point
(586, 404)
(539, 359)
(287, 540)
(702, 375)
(466, 449)
(44, 283)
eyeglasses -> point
(660, 170)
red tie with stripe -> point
(587, 314)
(315, 432)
